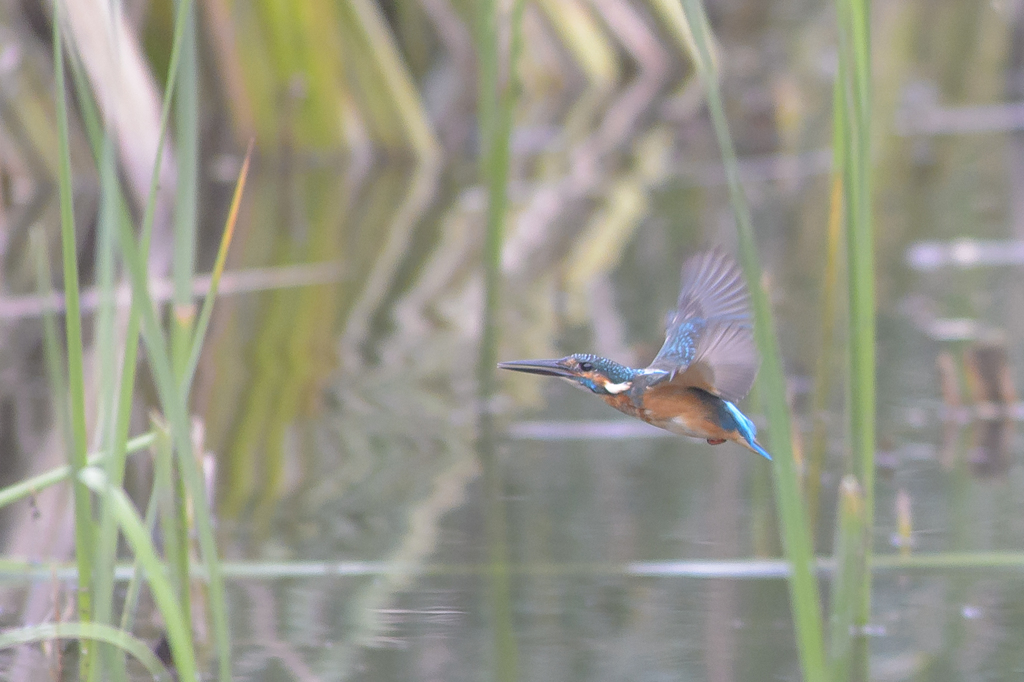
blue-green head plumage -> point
(584, 370)
(614, 372)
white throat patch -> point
(615, 389)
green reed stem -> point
(854, 114)
(796, 537)
(105, 346)
(131, 594)
(84, 542)
(850, 565)
(824, 369)
(53, 354)
(496, 107)
(215, 276)
(186, 138)
(114, 212)
(172, 398)
(171, 507)
(179, 632)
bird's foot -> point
(715, 441)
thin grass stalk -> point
(494, 157)
(824, 367)
(496, 107)
(53, 355)
(143, 313)
(31, 486)
(117, 399)
(804, 598)
(179, 633)
(186, 138)
(855, 93)
(113, 208)
(215, 276)
(104, 316)
(131, 594)
(170, 502)
(84, 542)
(120, 446)
(104, 323)
(98, 140)
(182, 320)
(850, 565)
(173, 402)
(172, 399)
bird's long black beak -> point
(550, 368)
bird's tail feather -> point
(746, 428)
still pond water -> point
(382, 535)
(375, 528)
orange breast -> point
(683, 410)
(622, 403)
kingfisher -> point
(707, 364)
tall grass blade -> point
(796, 537)
(824, 369)
(131, 594)
(179, 633)
(105, 346)
(186, 138)
(850, 566)
(171, 505)
(173, 402)
(218, 271)
(496, 107)
(84, 542)
(53, 354)
(854, 115)
(172, 399)
(114, 213)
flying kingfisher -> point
(706, 365)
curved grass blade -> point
(179, 633)
(97, 632)
(30, 486)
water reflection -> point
(583, 547)
(374, 531)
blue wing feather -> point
(709, 342)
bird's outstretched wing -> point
(709, 342)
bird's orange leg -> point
(715, 441)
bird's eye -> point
(586, 366)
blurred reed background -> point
(436, 184)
